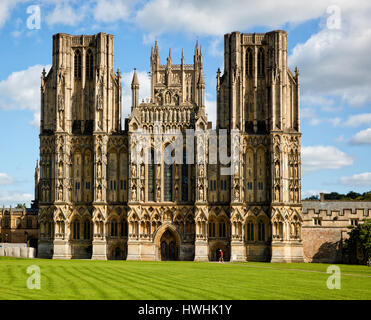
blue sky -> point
(329, 41)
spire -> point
(169, 61)
(196, 49)
(156, 48)
(182, 56)
(135, 82)
(135, 90)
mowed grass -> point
(85, 279)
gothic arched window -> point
(168, 182)
(89, 65)
(113, 228)
(87, 233)
(76, 230)
(77, 64)
(250, 231)
(151, 176)
(184, 177)
(261, 62)
(261, 231)
(249, 62)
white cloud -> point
(316, 158)
(14, 197)
(65, 14)
(216, 47)
(357, 180)
(5, 8)
(5, 179)
(362, 137)
(21, 90)
(112, 10)
(359, 120)
(310, 115)
(144, 90)
(340, 138)
(215, 17)
(308, 193)
(210, 109)
(335, 62)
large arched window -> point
(261, 62)
(77, 64)
(261, 231)
(89, 65)
(87, 229)
(76, 230)
(222, 229)
(151, 176)
(249, 62)
(250, 231)
(212, 229)
(113, 231)
(184, 177)
(168, 182)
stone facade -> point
(109, 193)
(325, 227)
(19, 225)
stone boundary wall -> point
(16, 250)
(325, 227)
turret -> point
(135, 90)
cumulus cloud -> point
(335, 62)
(5, 179)
(362, 137)
(21, 91)
(309, 193)
(5, 8)
(315, 158)
(210, 108)
(214, 17)
(359, 120)
(357, 180)
(310, 115)
(112, 10)
(14, 197)
(65, 14)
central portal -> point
(169, 250)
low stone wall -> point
(16, 250)
(322, 244)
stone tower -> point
(258, 103)
(80, 108)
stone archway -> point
(167, 236)
(168, 246)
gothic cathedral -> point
(164, 185)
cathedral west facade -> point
(163, 185)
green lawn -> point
(84, 279)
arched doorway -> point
(168, 246)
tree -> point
(358, 245)
(20, 206)
(313, 197)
